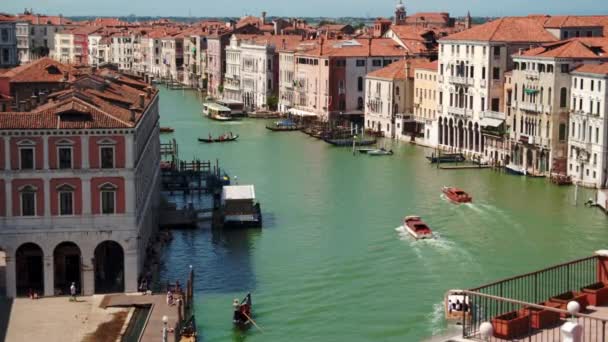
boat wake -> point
(437, 241)
(436, 319)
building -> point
(232, 78)
(472, 66)
(421, 125)
(386, 98)
(36, 34)
(79, 187)
(30, 83)
(72, 44)
(538, 102)
(329, 75)
(8, 42)
(588, 136)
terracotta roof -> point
(397, 70)
(41, 70)
(507, 29)
(572, 48)
(37, 19)
(439, 18)
(356, 48)
(427, 65)
(598, 69)
(575, 21)
(93, 101)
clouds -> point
(292, 8)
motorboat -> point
(417, 228)
(456, 306)
(456, 195)
(380, 152)
(446, 158)
(284, 126)
(166, 130)
(366, 150)
(217, 112)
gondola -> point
(242, 312)
(349, 142)
(218, 140)
(166, 130)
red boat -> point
(417, 228)
(456, 195)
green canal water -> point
(329, 264)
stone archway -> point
(29, 269)
(109, 268)
(67, 262)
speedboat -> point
(456, 195)
(417, 228)
(380, 152)
(366, 150)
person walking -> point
(73, 292)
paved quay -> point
(54, 319)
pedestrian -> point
(73, 292)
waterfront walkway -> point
(53, 319)
(159, 308)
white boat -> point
(417, 228)
(217, 112)
(366, 150)
(239, 207)
(380, 152)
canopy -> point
(299, 112)
(238, 192)
(216, 106)
(530, 91)
(491, 122)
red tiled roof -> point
(430, 66)
(38, 19)
(507, 29)
(598, 69)
(572, 48)
(41, 70)
(394, 71)
(429, 17)
(357, 48)
(575, 21)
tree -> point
(221, 88)
(272, 101)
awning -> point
(238, 192)
(353, 112)
(491, 122)
(299, 112)
(530, 91)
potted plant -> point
(597, 294)
(542, 318)
(511, 324)
(566, 297)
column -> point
(86, 195)
(45, 149)
(88, 272)
(11, 277)
(131, 270)
(130, 195)
(84, 152)
(8, 186)
(129, 143)
(49, 279)
(47, 197)
(7, 154)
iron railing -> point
(514, 320)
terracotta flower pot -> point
(511, 325)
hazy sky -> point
(291, 8)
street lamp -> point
(165, 330)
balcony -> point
(459, 111)
(461, 80)
(532, 306)
(493, 115)
(530, 107)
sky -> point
(302, 8)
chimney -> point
(43, 97)
(148, 92)
(142, 101)
(263, 19)
(27, 105)
(408, 65)
(284, 45)
(34, 100)
(66, 76)
(22, 106)
(132, 117)
(369, 46)
(321, 46)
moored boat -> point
(456, 195)
(348, 142)
(220, 139)
(239, 208)
(284, 126)
(446, 158)
(456, 306)
(380, 152)
(515, 170)
(366, 150)
(417, 228)
(166, 130)
(217, 112)
(241, 318)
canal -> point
(329, 264)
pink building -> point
(79, 187)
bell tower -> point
(400, 13)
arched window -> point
(360, 103)
(549, 98)
(360, 83)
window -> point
(497, 51)
(66, 200)
(565, 68)
(496, 74)
(360, 62)
(360, 83)
(65, 157)
(563, 97)
(4, 35)
(108, 199)
(597, 135)
(483, 73)
(26, 155)
(495, 104)
(377, 62)
(562, 132)
(28, 201)
(107, 157)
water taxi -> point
(456, 306)
(446, 158)
(217, 112)
(380, 152)
(167, 130)
(417, 228)
(456, 195)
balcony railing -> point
(532, 306)
(459, 111)
(493, 115)
(461, 80)
(530, 107)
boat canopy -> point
(299, 112)
(216, 106)
(238, 192)
(491, 122)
